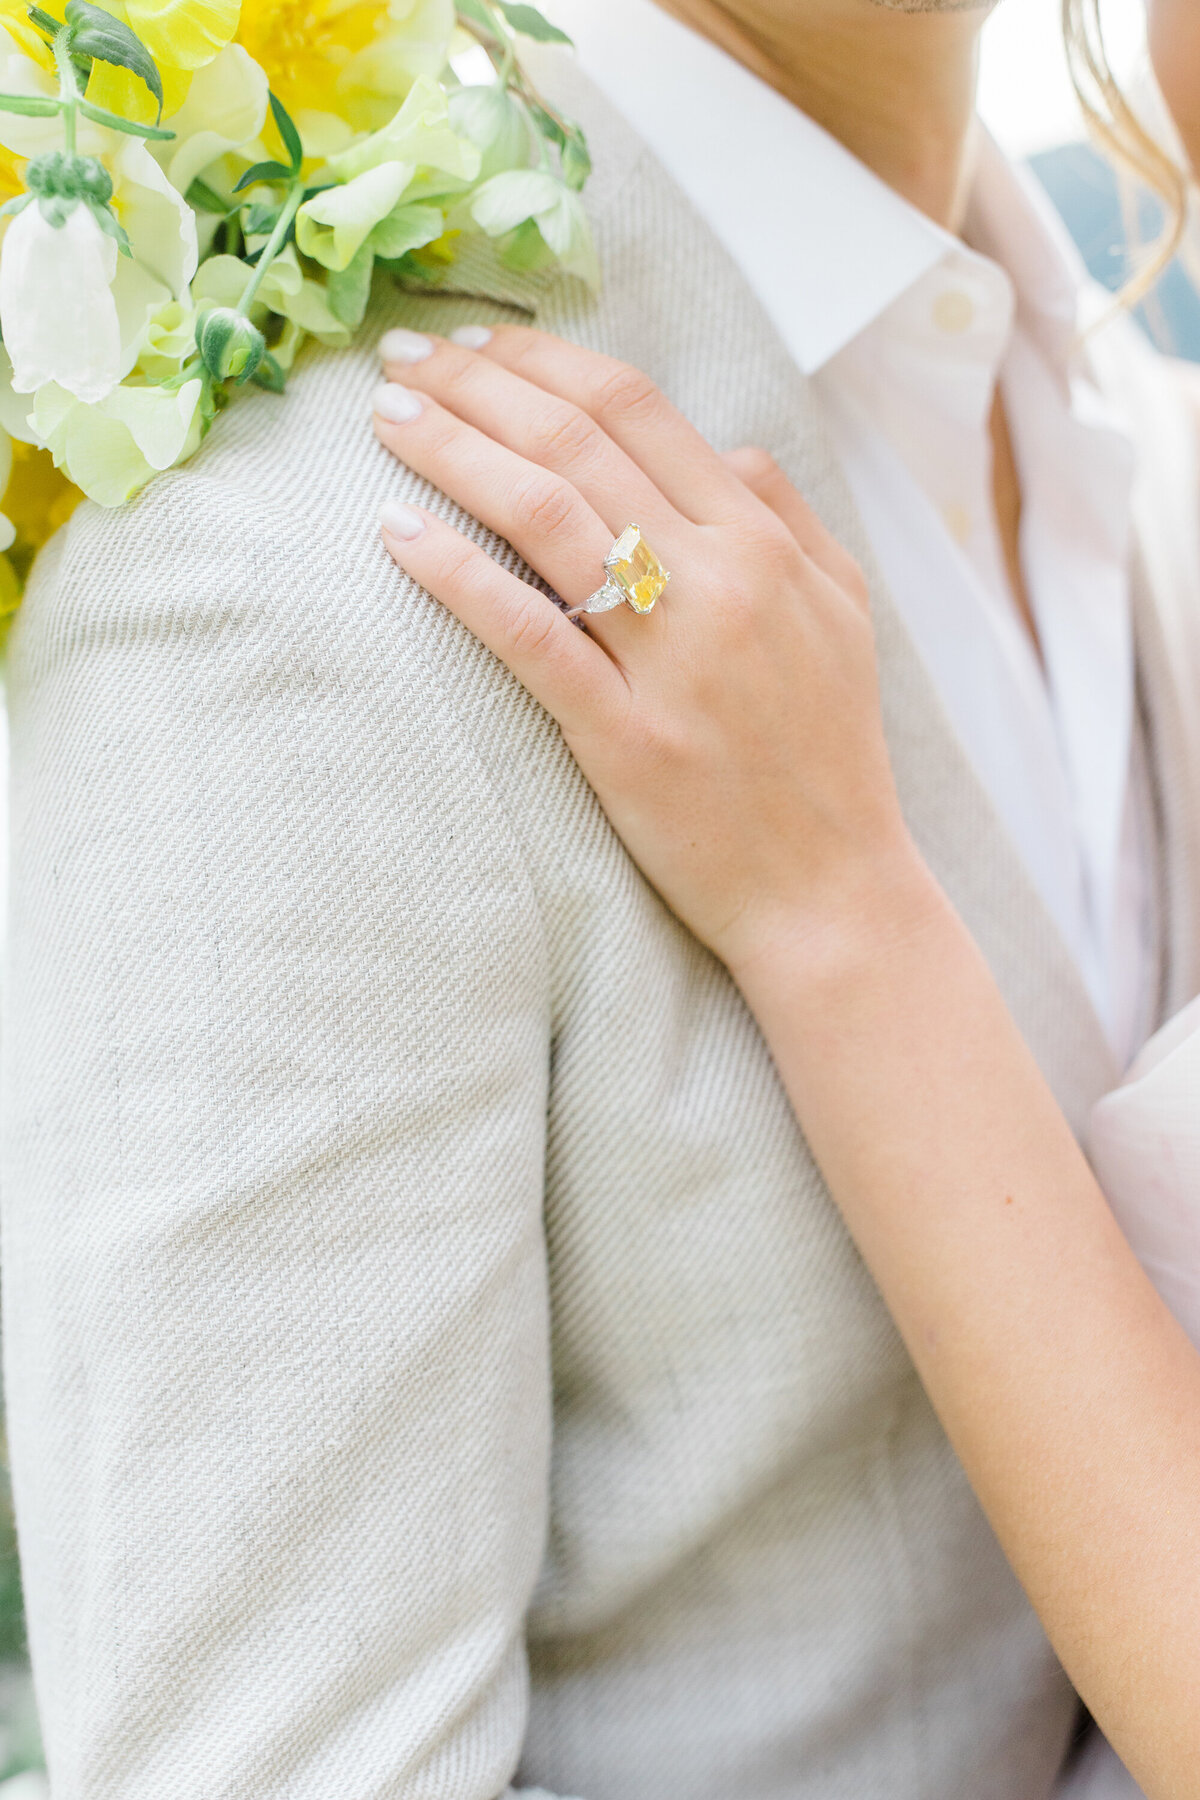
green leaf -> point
(576, 159)
(205, 199)
(477, 14)
(526, 250)
(289, 134)
(100, 115)
(97, 34)
(263, 171)
(16, 205)
(57, 209)
(34, 106)
(548, 125)
(114, 228)
(260, 219)
(270, 375)
(530, 23)
(349, 289)
(45, 21)
(408, 228)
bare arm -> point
(1068, 1390)
(733, 737)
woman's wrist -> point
(808, 953)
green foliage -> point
(289, 134)
(34, 106)
(231, 348)
(530, 23)
(100, 115)
(95, 34)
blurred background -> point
(1026, 100)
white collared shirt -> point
(906, 333)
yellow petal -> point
(183, 34)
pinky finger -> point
(564, 669)
(762, 475)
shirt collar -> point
(828, 254)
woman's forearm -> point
(1068, 1390)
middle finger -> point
(542, 427)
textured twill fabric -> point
(434, 1359)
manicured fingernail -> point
(400, 521)
(397, 404)
(400, 346)
(471, 337)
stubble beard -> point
(935, 6)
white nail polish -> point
(399, 405)
(471, 337)
(400, 521)
(400, 346)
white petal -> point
(225, 108)
(160, 223)
(137, 295)
(19, 74)
(15, 409)
(56, 306)
(157, 419)
(334, 223)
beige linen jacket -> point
(434, 1359)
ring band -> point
(635, 577)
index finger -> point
(626, 404)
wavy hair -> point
(1130, 146)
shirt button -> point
(954, 311)
(957, 520)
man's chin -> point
(936, 6)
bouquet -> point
(194, 188)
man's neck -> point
(896, 88)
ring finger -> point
(545, 519)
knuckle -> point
(459, 376)
(775, 544)
(855, 582)
(533, 627)
(623, 392)
(758, 468)
(543, 508)
(562, 434)
(461, 566)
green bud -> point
(230, 346)
(59, 175)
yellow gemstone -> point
(633, 567)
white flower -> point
(225, 108)
(72, 310)
(113, 449)
(57, 309)
(519, 195)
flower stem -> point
(68, 87)
(272, 247)
(504, 70)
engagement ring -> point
(636, 578)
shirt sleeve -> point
(276, 1055)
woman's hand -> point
(732, 735)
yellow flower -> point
(37, 500)
(14, 16)
(353, 58)
(181, 36)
